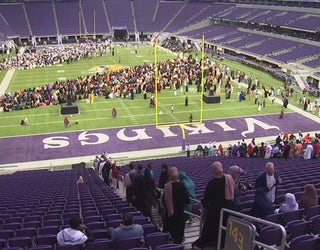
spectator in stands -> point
(76, 234)
(164, 175)
(268, 180)
(114, 175)
(175, 197)
(268, 151)
(242, 149)
(286, 150)
(262, 206)
(308, 151)
(309, 198)
(144, 190)
(290, 204)
(190, 186)
(127, 229)
(236, 172)
(262, 150)
(105, 170)
(297, 149)
(316, 149)
(128, 183)
(219, 193)
(188, 149)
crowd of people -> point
(285, 145)
(176, 74)
(172, 193)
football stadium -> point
(159, 124)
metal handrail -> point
(261, 221)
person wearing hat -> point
(76, 234)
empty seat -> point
(307, 242)
(126, 244)
(296, 228)
(28, 231)
(149, 228)
(22, 241)
(69, 247)
(169, 246)
(6, 234)
(48, 230)
(270, 235)
(41, 247)
(46, 239)
(99, 244)
(155, 239)
(100, 233)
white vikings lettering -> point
(225, 126)
(55, 142)
(198, 129)
(251, 122)
(85, 136)
(140, 135)
(167, 132)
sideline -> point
(123, 158)
(6, 81)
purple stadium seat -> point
(48, 230)
(296, 228)
(28, 231)
(155, 239)
(96, 225)
(6, 233)
(114, 223)
(305, 242)
(126, 244)
(46, 239)
(109, 217)
(99, 244)
(169, 247)
(149, 228)
(270, 235)
(315, 220)
(41, 247)
(22, 241)
(100, 233)
(69, 247)
(140, 219)
(12, 226)
(312, 211)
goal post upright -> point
(156, 79)
(181, 125)
(202, 79)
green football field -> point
(130, 112)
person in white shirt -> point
(76, 234)
(308, 151)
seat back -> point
(270, 235)
(305, 242)
(170, 246)
(296, 228)
(126, 244)
(41, 247)
(99, 244)
(69, 247)
(22, 241)
(155, 239)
